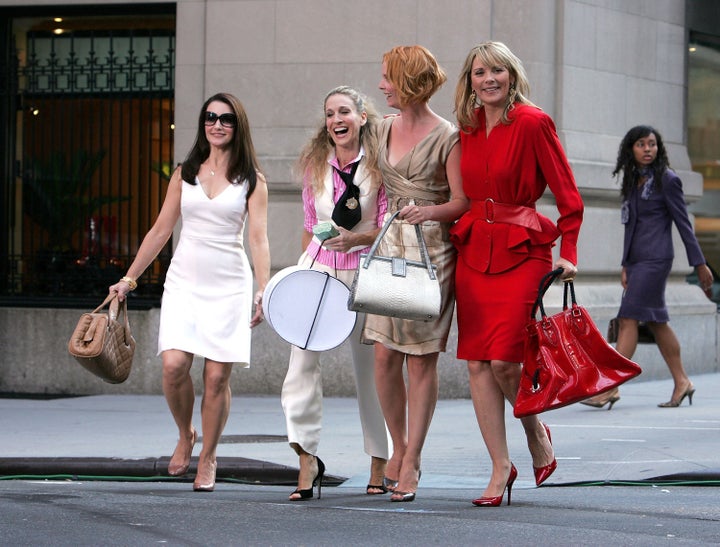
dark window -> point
(88, 104)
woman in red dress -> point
(510, 153)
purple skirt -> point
(644, 298)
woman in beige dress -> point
(419, 157)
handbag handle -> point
(425, 257)
(572, 294)
(116, 308)
(545, 283)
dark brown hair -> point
(243, 164)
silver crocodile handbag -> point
(395, 286)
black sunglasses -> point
(226, 120)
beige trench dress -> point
(420, 177)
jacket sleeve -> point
(559, 177)
(675, 201)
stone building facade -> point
(597, 67)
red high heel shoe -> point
(543, 473)
(497, 500)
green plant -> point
(163, 168)
(56, 194)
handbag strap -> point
(545, 283)
(569, 284)
(317, 310)
(116, 309)
(424, 255)
(110, 297)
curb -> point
(237, 469)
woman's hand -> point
(258, 316)
(122, 288)
(705, 278)
(414, 214)
(341, 243)
(569, 269)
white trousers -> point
(301, 395)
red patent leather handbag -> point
(567, 359)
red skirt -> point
(493, 309)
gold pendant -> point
(351, 203)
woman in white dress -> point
(208, 293)
(342, 185)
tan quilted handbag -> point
(102, 342)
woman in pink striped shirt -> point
(342, 185)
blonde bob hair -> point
(490, 54)
(414, 73)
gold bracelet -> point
(130, 281)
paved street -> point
(636, 475)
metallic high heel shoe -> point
(495, 501)
(389, 484)
(599, 401)
(399, 495)
(307, 493)
(205, 478)
(543, 473)
(177, 469)
(673, 403)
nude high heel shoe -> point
(177, 468)
(205, 478)
(599, 401)
(673, 403)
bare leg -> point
(422, 399)
(392, 394)
(627, 337)
(180, 397)
(215, 410)
(507, 376)
(626, 345)
(669, 348)
(489, 404)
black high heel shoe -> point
(495, 501)
(307, 493)
(689, 392)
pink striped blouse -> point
(338, 260)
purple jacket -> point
(648, 232)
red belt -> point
(491, 211)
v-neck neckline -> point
(202, 189)
(411, 150)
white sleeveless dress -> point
(208, 291)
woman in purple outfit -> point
(652, 200)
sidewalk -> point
(133, 436)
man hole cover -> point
(248, 439)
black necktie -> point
(347, 211)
